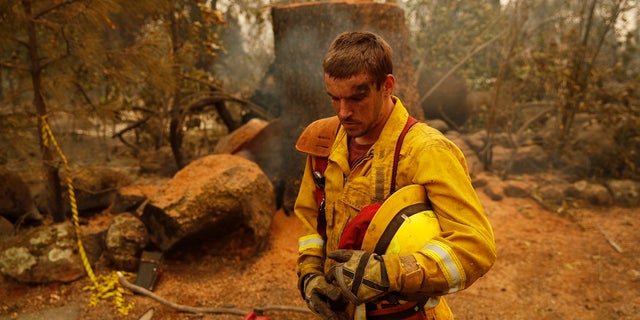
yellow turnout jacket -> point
(462, 252)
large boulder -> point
(16, 202)
(47, 254)
(209, 199)
(96, 187)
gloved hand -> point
(323, 298)
(362, 276)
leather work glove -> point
(323, 298)
(362, 276)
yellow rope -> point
(105, 287)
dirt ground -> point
(582, 264)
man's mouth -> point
(349, 123)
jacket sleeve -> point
(311, 245)
(315, 141)
(465, 249)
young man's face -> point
(361, 106)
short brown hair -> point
(352, 53)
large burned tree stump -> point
(210, 199)
(302, 35)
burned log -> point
(210, 199)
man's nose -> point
(344, 110)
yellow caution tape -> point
(105, 287)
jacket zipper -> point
(358, 162)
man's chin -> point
(353, 132)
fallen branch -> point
(200, 310)
(611, 242)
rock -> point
(530, 159)
(477, 140)
(210, 198)
(479, 181)
(516, 189)
(124, 240)
(575, 163)
(492, 193)
(67, 312)
(577, 188)
(16, 202)
(598, 195)
(625, 193)
(43, 254)
(438, 124)
(473, 162)
(6, 228)
(627, 134)
(501, 157)
(592, 193)
(95, 188)
(525, 159)
(504, 139)
(552, 193)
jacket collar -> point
(392, 129)
(386, 142)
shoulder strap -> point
(318, 179)
(316, 141)
(396, 156)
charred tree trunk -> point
(175, 124)
(302, 35)
(54, 194)
(225, 115)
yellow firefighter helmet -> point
(403, 224)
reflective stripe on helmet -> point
(448, 263)
(312, 241)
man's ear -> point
(388, 84)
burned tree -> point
(302, 34)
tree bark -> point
(175, 124)
(302, 35)
(54, 194)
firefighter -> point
(357, 160)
